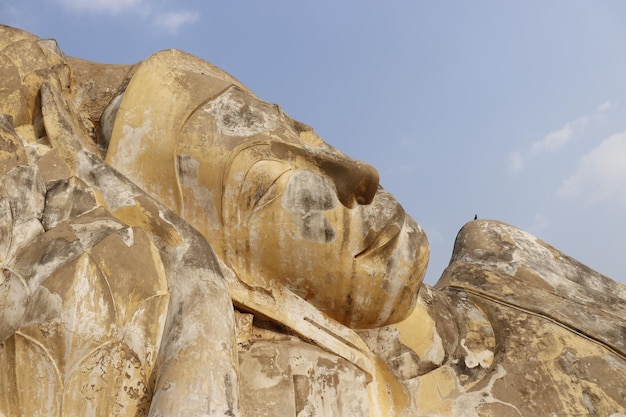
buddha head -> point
(278, 204)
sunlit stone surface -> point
(173, 245)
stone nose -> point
(356, 182)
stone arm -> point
(195, 368)
(196, 364)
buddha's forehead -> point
(178, 107)
(181, 93)
(234, 120)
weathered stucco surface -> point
(520, 329)
(170, 244)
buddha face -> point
(278, 205)
(290, 209)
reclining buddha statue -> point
(171, 244)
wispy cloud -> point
(606, 106)
(555, 140)
(170, 21)
(104, 6)
(601, 173)
(516, 161)
(558, 138)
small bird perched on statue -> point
(475, 216)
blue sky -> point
(515, 111)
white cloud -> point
(172, 21)
(516, 162)
(606, 106)
(104, 6)
(601, 173)
(555, 140)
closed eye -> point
(262, 184)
